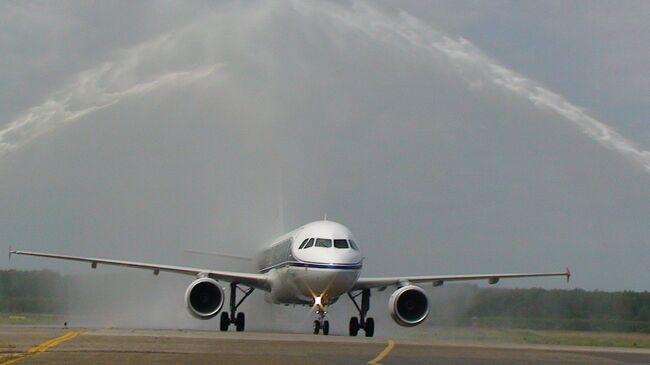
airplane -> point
(313, 265)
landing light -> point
(318, 301)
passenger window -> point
(309, 243)
(302, 245)
(354, 245)
(341, 244)
(323, 242)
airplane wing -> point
(368, 283)
(258, 281)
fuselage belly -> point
(298, 285)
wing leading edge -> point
(368, 283)
(258, 281)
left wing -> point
(368, 283)
(258, 281)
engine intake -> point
(408, 306)
(204, 298)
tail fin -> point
(280, 222)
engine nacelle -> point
(409, 305)
(204, 298)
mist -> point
(193, 131)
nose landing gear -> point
(321, 323)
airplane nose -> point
(330, 284)
(340, 256)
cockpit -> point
(328, 243)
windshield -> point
(341, 244)
(323, 242)
(309, 243)
(302, 245)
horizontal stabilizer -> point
(244, 258)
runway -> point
(46, 345)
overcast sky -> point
(451, 137)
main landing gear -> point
(238, 319)
(321, 323)
(367, 324)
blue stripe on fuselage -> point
(313, 265)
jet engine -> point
(408, 305)
(204, 298)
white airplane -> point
(313, 265)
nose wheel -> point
(321, 324)
(361, 322)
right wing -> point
(258, 281)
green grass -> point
(29, 319)
(562, 324)
(539, 337)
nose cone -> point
(328, 284)
(330, 272)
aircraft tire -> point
(370, 327)
(316, 327)
(225, 321)
(240, 322)
(354, 326)
(326, 328)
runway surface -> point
(43, 345)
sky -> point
(450, 137)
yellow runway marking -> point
(40, 348)
(381, 355)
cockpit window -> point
(354, 245)
(323, 242)
(341, 244)
(309, 243)
(302, 245)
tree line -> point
(43, 291)
(536, 308)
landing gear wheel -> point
(316, 327)
(354, 326)
(238, 319)
(225, 322)
(240, 322)
(326, 328)
(368, 324)
(370, 327)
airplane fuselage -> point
(318, 260)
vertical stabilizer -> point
(280, 211)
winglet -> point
(568, 274)
(11, 251)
